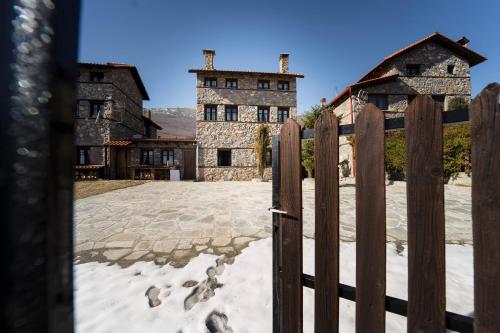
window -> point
(210, 112)
(210, 82)
(167, 157)
(451, 69)
(96, 108)
(83, 156)
(263, 84)
(283, 114)
(413, 70)
(263, 114)
(232, 83)
(96, 76)
(411, 98)
(269, 157)
(438, 98)
(379, 101)
(283, 85)
(147, 157)
(147, 130)
(231, 113)
(224, 157)
(77, 110)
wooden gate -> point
(426, 306)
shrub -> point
(456, 152)
(308, 156)
(262, 141)
(309, 118)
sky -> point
(333, 43)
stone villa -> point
(230, 106)
(434, 65)
(114, 138)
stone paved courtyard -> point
(174, 221)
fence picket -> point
(370, 221)
(485, 134)
(425, 196)
(291, 227)
(326, 156)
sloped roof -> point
(148, 120)
(132, 68)
(215, 71)
(472, 57)
(366, 83)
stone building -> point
(231, 105)
(113, 137)
(434, 65)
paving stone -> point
(242, 240)
(165, 246)
(201, 247)
(184, 244)
(221, 241)
(136, 255)
(226, 250)
(119, 244)
(85, 246)
(143, 245)
(115, 254)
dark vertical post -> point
(425, 196)
(276, 235)
(291, 227)
(485, 134)
(370, 221)
(38, 43)
(326, 159)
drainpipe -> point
(353, 147)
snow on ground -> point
(112, 299)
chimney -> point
(209, 59)
(322, 101)
(284, 63)
(464, 41)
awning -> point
(117, 143)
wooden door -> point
(189, 163)
(121, 164)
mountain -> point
(176, 122)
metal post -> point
(276, 234)
(38, 43)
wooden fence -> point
(426, 306)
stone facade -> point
(441, 71)
(238, 136)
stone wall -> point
(239, 136)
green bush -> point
(456, 152)
(308, 156)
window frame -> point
(281, 86)
(378, 98)
(230, 81)
(86, 156)
(281, 112)
(267, 112)
(213, 112)
(92, 113)
(150, 156)
(167, 153)
(211, 80)
(233, 111)
(98, 75)
(224, 161)
(259, 82)
(411, 67)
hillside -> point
(176, 122)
